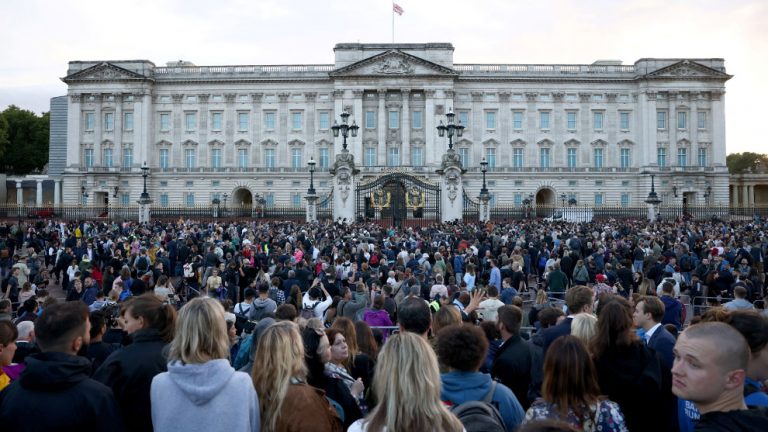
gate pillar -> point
(451, 188)
(344, 190)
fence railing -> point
(498, 212)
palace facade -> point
(590, 132)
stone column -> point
(718, 128)
(405, 127)
(282, 153)
(672, 129)
(74, 123)
(648, 138)
(359, 118)
(39, 192)
(144, 210)
(57, 192)
(256, 120)
(97, 131)
(381, 149)
(344, 190)
(432, 141)
(19, 193)
(311, 207)
(750, 195)
(485, 208)
(451, 187)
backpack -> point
(142, 263)
(308, 312)
(374, 259)
(480, 416)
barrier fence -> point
(499, 212)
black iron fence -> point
(498, 213)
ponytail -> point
(157, 314)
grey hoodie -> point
(260, 307)
(204, 397)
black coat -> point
(514, 367)
(55, 393)
(129, 373)
(738, 420)
(549, 335)
(632, 377)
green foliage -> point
(25, 147)
(739, 163)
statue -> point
(452, 184)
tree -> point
(3, 135)
(740, 163)
(27, 141)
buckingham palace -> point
(589, 133)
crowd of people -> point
(528, 325)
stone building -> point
(589, 132)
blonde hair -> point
(584, 327)
(407, 385)
(280, 356)
(541, 297)
(201, 332)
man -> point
(557, 280)
(6, 312)
(25, 342)
(648, 315)
(673, 309)
(262, 305)
(54, 392)
(98, 350)
(516, 363)
(578, 299)
(244, 307)
(710, 366)
(462, 348)
(489, 308)
(740, 300)
(12, 289)
(90, 289)
(495, 279)
(413, 315)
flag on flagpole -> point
(397, 9)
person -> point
(557, 280)
(98, 350)
(200, 382)
(489, 307)
(54, 392)
(629, 372)
(312, 304)
(8, 336)
(754, 328)
(648, 314)
(357, 363)
(461, 349)
(414, 316)
(584, 327)
(570, 391)
(317, 352)
(25, 342)
(578, 299)
(405, 386)
(378, 316)
(739, 300)
(263, 305)
(542, 301)
(286, 401)
(515, 362)
(673, 309)
(129, 372)
(336, 367)
(711, 360)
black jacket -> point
(513, 366)
(632, 376)
(733, 421)
(55, 393)
(129, 373)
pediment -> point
(215, 143)
(545, 142)
(323, 143)
(393, 63)
(518, 143)
(164, 143)
(490, 143)
(464, 143)
(269, 142)
(296, 142)
(189, 142)
(626, 143)
(688, 69)
(573, 142)
(104, 71)
(599, 143)
(242, 142)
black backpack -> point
(480, 416)
(308, 312)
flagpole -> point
(393, 24)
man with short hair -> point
(6, 310)
(710, 366)
(578, 299)
(489, 307)
(740, 300)
(514, 364)
(413, 315)
(262, 305)
(673, 309)
(557, 280)
(462, 348)
(648, 314)
(25, 342)
(55, 392)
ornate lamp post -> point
(450, 128)
(345, 129)
(484, 169)
(311, 164)
(562, 198)
(144, 200)
(485, 197)
(652, 200)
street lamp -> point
(484, 169)
(311, 164)
(562, 198)
(217, 202)
(84, 194)
(145, 174)
(117, 189)
(653, 198)
(225, 199)
(345, 129)
(451, 128)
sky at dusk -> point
(41, 36)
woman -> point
(286, 401)
(129, 372)
(164, 289)
(407, 386)
(366, 342)
(469, 277)
(641, 285)
(580, 273)
(378, 316)
(200, 383)
(8, 336)
(317, 352)
(630, 373)
(213, 284)
(570, 391)
(542, 301)
(341, 363)
(584, 327)
(26, 292)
